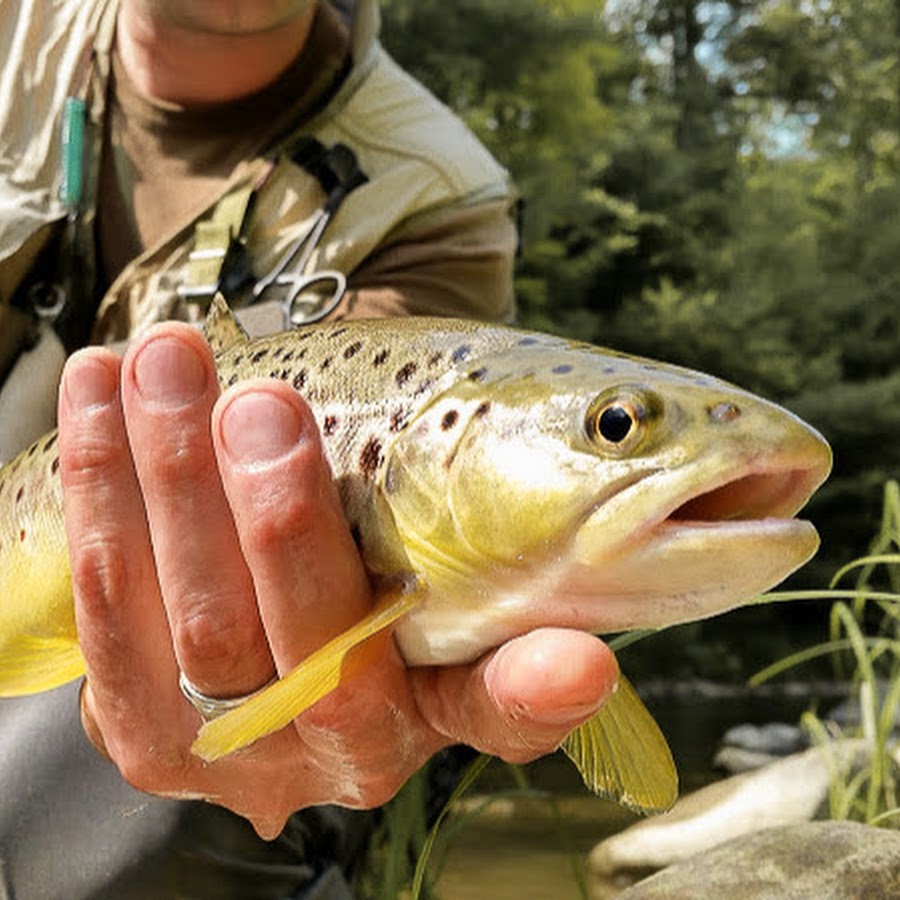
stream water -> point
(530, 848)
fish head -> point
(565, 485)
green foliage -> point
(710, 183)
(865, 646)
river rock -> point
(810, 861)
(775, 738)
(789, 791)
(747, 747)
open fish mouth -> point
(774, 492)
(706, 549)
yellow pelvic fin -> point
(318, 675)
(30, 664)
(622, 755)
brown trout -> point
(509, 480)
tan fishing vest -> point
(419, 161)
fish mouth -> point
(778, 490)
(707, 547)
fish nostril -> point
(724, 412)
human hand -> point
(206, 535)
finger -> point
(169, 388)
(312, 585)
(308, 576)
(121, 622)
(520, 701)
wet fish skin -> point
(472, 458)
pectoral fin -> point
(32, 664)
(318, 675)
(622, 755)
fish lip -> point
(784, 480)
(770, 487)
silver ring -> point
(212, 707)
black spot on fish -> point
(353, 349)
(399, 419)
(288, 356)
(326, 363)
(403, 375)
(483, 409)
(381, 357)
(609, 370)
(238, 359)
(528, 342)
(51, 440)
(449, 420)
(54, 466)
(285, 374)
(356, 534)
(260, 354)
(477, 374)
(337, 332)
(20, 494)
(562, 370)
(329, 427)
(299, 379)
(460, 353)
(32, 450)
(233, 380)
(370, 458)
(435, 359)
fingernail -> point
(259, 427)
(90, 383)
(169, 372)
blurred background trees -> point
(711, 183)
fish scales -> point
(514, 480)
(367, 381)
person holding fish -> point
(273, 153)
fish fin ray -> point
(319, 674)
(29, 665)
(622, 755)
(222, 329)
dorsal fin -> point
(222, 329)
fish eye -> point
(615, 423)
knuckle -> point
(286, 516)
(153, 772)
(100, 574)
(176, 460)
(211, 632)
(90, 459)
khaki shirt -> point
(429, 232)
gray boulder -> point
(784, 792)
(810, 861)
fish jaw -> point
(722, 532)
